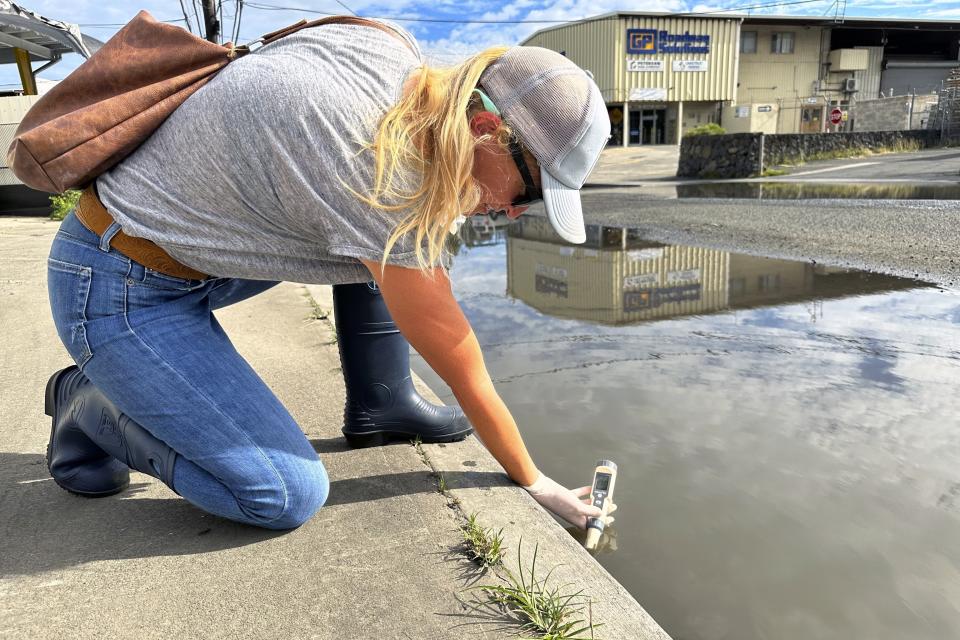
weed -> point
(318, 312)
(773, 172)
(539, 608)
(483, 545)
(64, 203)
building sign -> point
(642, 280)
(644, 65)
(551, 280)
(653, 298)
(650, 41)
(647, 94)
(689, 65)
(645, 254)
(681, 276)
(543, 284)
(764, 108)
(742, 112)
(641, 40)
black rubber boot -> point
(382, 403)
(92, 445)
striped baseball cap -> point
(556, 109)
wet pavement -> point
(785, 430)
(807, 190)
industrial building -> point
(662, 74)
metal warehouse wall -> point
(591, 45)
(601, 47)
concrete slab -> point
(380, 560)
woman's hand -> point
(573, 506)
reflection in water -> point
(819, 190)
(616, 277)
(789, 457)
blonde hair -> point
(427, 134)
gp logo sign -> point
(650, 41)
(641, 40)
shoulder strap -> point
(304, 24)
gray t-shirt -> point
(243, 180)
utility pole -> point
(210, 18)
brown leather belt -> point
(94, 216)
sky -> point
(449, 38)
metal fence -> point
(946, 117)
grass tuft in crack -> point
(442, 487)
(484, 545)
(537, 607)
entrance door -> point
(653, 126)
(634, 132)
(810, 121)
(649, 126)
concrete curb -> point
(477, 484)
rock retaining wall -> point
(742, 155)
(732, 155)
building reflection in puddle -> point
(616, 277)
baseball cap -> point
(557, 111)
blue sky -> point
(443, 41)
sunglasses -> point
(531, 193)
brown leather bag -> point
(112, 102)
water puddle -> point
(819, 191)
(785, 432)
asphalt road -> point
(917, 166)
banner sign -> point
(653, 298)
(648, 94)
(648, 41)
(644, 65)
(689, 65)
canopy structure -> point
(27, 37)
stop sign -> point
(836, 116)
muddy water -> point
(786, 434)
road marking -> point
(845, 166)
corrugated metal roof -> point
(824, 21)
(43, 38)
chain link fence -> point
(946, 117)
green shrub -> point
(709, 129)
(63, 204)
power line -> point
(197, 18)
(346, 7)
(270, 7)
(186, 18)
(237, 16)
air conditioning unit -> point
(850, 85)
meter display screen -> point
(603, 482)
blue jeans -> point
(151, 344)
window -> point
(768, 283)
(748, 42)
(781, 42)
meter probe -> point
(601, 495)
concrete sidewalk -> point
(382, 559)
(634, 165)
